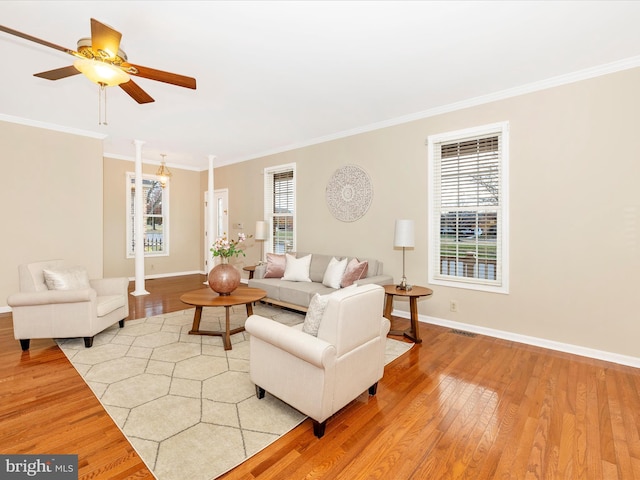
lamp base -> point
(403, 285)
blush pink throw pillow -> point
(354, 272)
(275, 265)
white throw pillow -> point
(297, 269)
(334, 272)
(68, 278)
(314, 314)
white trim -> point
(51, 126)
(528, 340)
(5, 309)
(502, 129)
(146, 161)
(169, 275)
(165, 217)
(585, 74)
(268, 193)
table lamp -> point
(404, 237)
(262, 233)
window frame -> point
(269, 203)
(130, 219)
(434, 220)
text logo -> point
(50, 467)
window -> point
(155, 200)
(468, 199)
(280, 207)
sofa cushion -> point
(355, 270)
(334, 272)
(66, 278)
(275, 265)
(269, 285)
(319, 264)
(313, 317)
(297, 269)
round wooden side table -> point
(250, 269)
(416, 292)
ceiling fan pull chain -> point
(102, 100)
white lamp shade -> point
(262, 230)
(404, 234)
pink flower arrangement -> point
(223, 247)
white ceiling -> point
(276, 75)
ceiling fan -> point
(101, 60)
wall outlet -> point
(453, 306)
(238, 226)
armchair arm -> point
(23, 299)
(302, 345)
(110, 286)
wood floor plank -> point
(454, 407)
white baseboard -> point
(177, 274)
(535, 341)
(168, 275)
(7, 309)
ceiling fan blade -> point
(135, 92)
(58, 73)
(37, 40)
(104, 39)
(160, 76)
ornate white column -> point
(139, 224)
(211, 217)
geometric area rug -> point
(186, 405)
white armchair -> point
(40, 312)
(320, 375)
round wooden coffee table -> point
(205, 297)
(414, 294)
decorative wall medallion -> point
(349, 193)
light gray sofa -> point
(298, 295)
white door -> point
(220, 218)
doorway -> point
(220, 219)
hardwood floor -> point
(455, 407)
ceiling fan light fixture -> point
(101, 73)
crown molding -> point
(127, 158)
(585, 74)
(588, 73)
(51, 126)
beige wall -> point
(574, 210)
(44, 173)
(185, 222)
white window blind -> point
(468, 204)
(280, 207)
